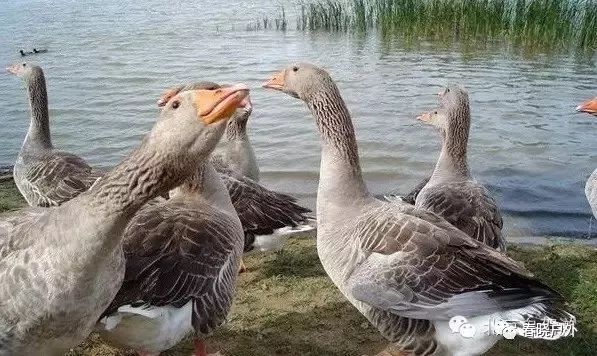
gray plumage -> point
(405, 268)
(236, 152)
(182, 250)
(60, 267)
(451, 192)
(44, 175)
(261, 211)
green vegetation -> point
(286, 305)
(280, 23)
(10, 198)
(529, 23)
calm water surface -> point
(108, 62)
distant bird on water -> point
(35, 51)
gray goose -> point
(61, 267)
(590, 107)
(182, 258)
(406, 269)
(44, 175)
(236, 152)
(267, 217)
(451, 192)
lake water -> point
(108, 62)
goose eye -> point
(175, 104)
(447, 90)
(295, 69)
(435, 113)
(24, 65)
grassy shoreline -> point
(286, 305)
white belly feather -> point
(152, 329)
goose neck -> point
(340, 173)
(236, 130)
(38, 134)
(206, 185)
(145, 174)
(452, 160)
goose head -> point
(589, 106)
(302, 80)
(191, 122)
(25, 70)
(239, 118)
(453, 110)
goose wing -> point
(58, 177)
(469, 207)
(260, 210)
(175, 254)
(411, 197)
(418, 265)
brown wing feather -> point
(175, 254)
(418, 265)
(59, 177)
(469, 207)
(260, 210)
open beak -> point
(13, 69)
(218, 104)
(425, 117)
(276, 82)
(589, 106)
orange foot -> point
(201, 350)
(392, 352)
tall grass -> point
(279, 22)
(545, 23)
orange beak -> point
(589, 106)
(14, 69)
(218, 104)
(425, 117)
(276, 82)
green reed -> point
(279, 23)
(536, 23)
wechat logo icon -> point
(459, 324)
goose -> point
(451, 192)
(268, 217)
(236, 154)
(182, 257)
(407, 270)
(44, 175)
(590, 107)
(61, 267)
